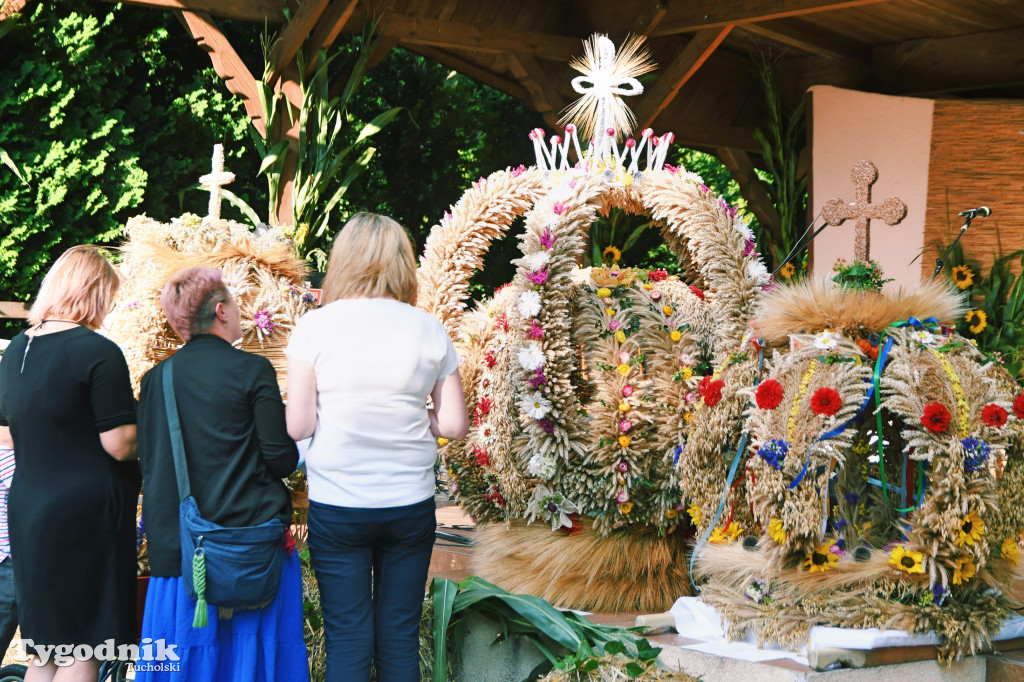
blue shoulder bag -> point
(236, 568)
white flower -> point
(531, 356)
(486, 434)
(923, 336)
(529, 303)
(757, 271)
(536, 260)
(826, 340)
(535, 405)
(499, 344)
(744, 229)
(541, 466)
(579, 275)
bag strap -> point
(174, 426)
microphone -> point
(981, 212)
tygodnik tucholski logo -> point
(155, 656)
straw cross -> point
(890, 211)
(215, 181)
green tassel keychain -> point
(201, 618)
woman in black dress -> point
(66, 404)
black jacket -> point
(236, 445)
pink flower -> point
(623, 357)
(655, 295)
(622, 497)
(749, 247)
(538, 277)
(627, 390)
(546, 239)
(560, 207)
(516, 172)
(623, 467)
(265, 321)
(614, 324)
(572, 183)
(625, 425)
(446, 217)
(704, 188)
(691, 397)
(535, 330)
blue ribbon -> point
(728, 479)
(916, 323)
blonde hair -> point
(372, 258)
(80, 287)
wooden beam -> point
(935, 65)
(536, 81)
(13, 310)
(814, 40)
(695, 15)
(470, 69)
(226, 63)
(760, 204)
(452, 35)
(678, 72)
(290, 40)
(649, 18)
(709, 137)
(259, 11)
(327, 30)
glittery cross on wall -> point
(837, 211)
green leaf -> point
(634, 669)
(377, 124)
(443, 592)
(614, 648)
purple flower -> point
(675, 457)
(538, 277)
(546, 239)
(547, 425)
(938, 593)
(140, 532)
(535, 330)
(840, 524)
(560, 207)
(552, 507)
(774, 451)
(265, 322)
(749, 247)
(538, 379)
(852, 498)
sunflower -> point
(971, 529)
(788, 270)
(1010, 551)
(906, 560)
(964, 570)
(695, 515)
(727, 534)
(821, 559)
(963, 276)
(776, 531)
(977, 319)
(615, 255)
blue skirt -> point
(262, 645)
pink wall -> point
(894, 133)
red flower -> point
(657, 275)
(501, 322)
(769, 394)
(713, 393)
(993, 415)
(702, 387)
(1018, 406)
(826, 401)
(481, 455)
(482, 408)
(935, 418)
(289, 542)
(577, 526)
(697, 292)
(491, 359)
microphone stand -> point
(940, 262)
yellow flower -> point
(675, 335)
(623, 406)
(776, 531)
(442, 441)
(971, 529)
(686, 373)
(647, 286)
(906, 560)
(977, 320)
(964, 570)
(694, 511)
(620, 336)
(624, 441)
(610, 311)
(1010, 551)
(788, 270)
(604, 292)
(623, 369)
(728, 534)
(821, 559)
(688, 416)
(963, 276)
(670, 513)
(625, 507)
(613, 252)
(667, 310)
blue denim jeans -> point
(371, 566)
(8, 605)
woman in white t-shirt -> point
(359, 373)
